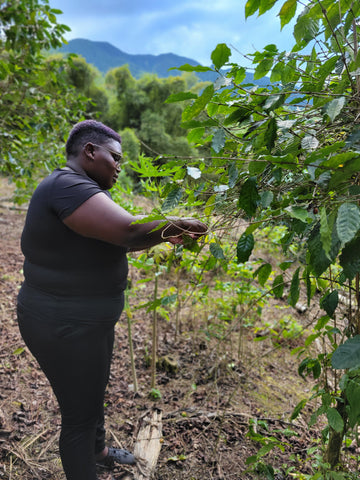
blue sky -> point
(190, 28)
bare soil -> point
(207, 404)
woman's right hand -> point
(188, 227)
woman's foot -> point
(109, 456)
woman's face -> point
(106, 163)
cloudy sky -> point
(190, 28)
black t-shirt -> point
(60, 261)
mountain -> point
(105, 56)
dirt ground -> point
(207, 404)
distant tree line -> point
(136, 107)
(43, 94)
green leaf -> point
(238, 116)
(274, 101)
(210, 205)
(256, 167)
(347, 355)
(350, 258)
(276, 72)
(310, 365)
(285, 265)
(298, 212)
(249, 196)
(309, 143)
(172, 200)
(325, 70)
(19, 351)
(297, 410)
(250, 460)
(335, 420)
(266, 5)
(240, 75)
(329, 302)
(266, 198)
(338, 160)
(150, 218)
(318, 260)
(271, 134)
(190, 244)
(263, 68)
(216, 250)
(353, 140)
(289, 72)
(263, 273)
(306, 28)
(285, 161)
(169, 299)
(278, 286)
(265, 449)
(244, 247)
(220, 56)
(294, 288)
(334, 108)
(347, 222)
(176, 458)
(320, 324)
(251, 7)
(325, 231)
(196, 134)
(233, 174)
(352, 391)
(192, 68)
(218, 141)
(179, 97)
(199, 104)
(311, 338)
(287, 12)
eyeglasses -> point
(117, 157)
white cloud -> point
(190, 28)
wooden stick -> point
(148, 444)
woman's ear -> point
(89, 151)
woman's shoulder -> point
(66, 177)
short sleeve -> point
(69, 191)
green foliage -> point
(149, 105)
(259, 432)
(279, 155)
(155, 394)
(347, 355)
(37, 105)
(85, 79)
(285, 154)
(280, 330)
(244, 247)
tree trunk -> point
(333, 451)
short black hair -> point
(88, 131)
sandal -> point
(116, 455)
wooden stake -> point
(148, 444)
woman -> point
(75, 241)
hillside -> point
(105, 56)
(208, 402)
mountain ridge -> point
(105, 56)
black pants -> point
(72, 339)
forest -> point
(247, 343)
